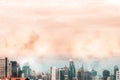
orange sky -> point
(65, 28)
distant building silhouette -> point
(118, 75)
(33, 75)
(86, 75)
(82, 68)
(26, 70)
(94, 74)
(72, 70)
(62, 74)
(66, 72)
(16, 70)
(79, 75)
(5, 68)
(115, 71)
(54, 73)
(106, 74)
(83, 75)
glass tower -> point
(72, 71)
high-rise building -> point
(57, 74)
(26, 70)
(115, 70)
(50, 73)
(5, 68)
(87, 75)
(94, 74)
(66, 72)
(106, 74)
(72, 70)
(54, 73)
(46, 77)
(82, 73)
(82, 68)
(62, 74)
(16, 70)
(118, 75)
(33, 75)
(79, 75)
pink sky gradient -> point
(65, 28)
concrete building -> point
(54, 73)
(118, 75)
(5, 68)
(115, 71)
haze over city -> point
(41, 31)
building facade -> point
(62, 74)
(26, 70)
(106, 74)
(72, 70)
(115, 71)
(5, 68)
(118, 75)
(54, 73)
(94, 74)
(16, 70)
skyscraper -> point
(33, 75)
(54, 73)
(26, 70)
(106, 74)
(5, 68)
(87, 75)
(115, 70)
(79, 75)
(72, 71)
(62, 74)
(94, 74)
(82, 68)
(82, 73)
(118, 75)
(66, 73)
(16, 70)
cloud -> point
(60, 29)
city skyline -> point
(88, 66)
(44, 32)
(13, 70)
(90, 31)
